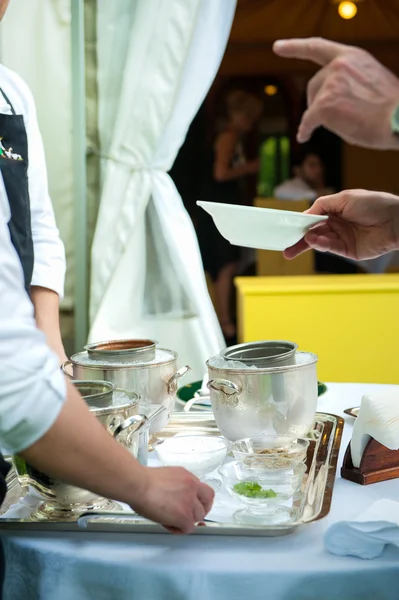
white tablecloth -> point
(165, 567)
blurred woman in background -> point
(225, 168)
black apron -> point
(14, 169)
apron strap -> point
(8, 101)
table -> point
(165, 567)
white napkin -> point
(368, 534)
(25, 506)
(378, 418)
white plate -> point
(260, 228)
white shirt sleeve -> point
(49, 254)
(32, 387)
(294, 189)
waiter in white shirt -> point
(42, 416)
(23, 191)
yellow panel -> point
(351, 322)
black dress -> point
(216, 251)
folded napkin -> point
(379, 419)
(368, 534)
(25, 506)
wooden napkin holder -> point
(378, 464)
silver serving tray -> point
(325, 441)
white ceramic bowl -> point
(200, 455)
(260, 228)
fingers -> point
(318, 50)
(174, 530)
(199, 512)
(185, 524)
(311, 120)
(206, 495)
(309, 242)
(321, 239)
(325, 240)
(294, 251)
(201, 503)
(316, 83)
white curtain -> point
(156, 62)
(35, 41)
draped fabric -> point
(156, 63)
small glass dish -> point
(201, 455)
(270, 451)
(263, 491)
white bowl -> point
(260, 228)
(200, 455)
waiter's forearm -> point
(79, 450)
(47, 304)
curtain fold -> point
(147, 276)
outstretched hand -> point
(361, 225)
(352, 95)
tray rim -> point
(351, 413)
(25, 526)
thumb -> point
(326, 205)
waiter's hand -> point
(361, 225)
(175, 498)
(353, 95)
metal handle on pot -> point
(156, 414)
(224, 386)
(229, 391)
(139, 420)
(173, 382)
(64, 365)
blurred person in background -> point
(224, 170)
(308, 182)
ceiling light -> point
(270, 90)
(347, 10)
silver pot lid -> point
(262, 354)
(222, 365)
(103, 397)
(162, 357)
(95, 393)
(121, 400)
(123, 350)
